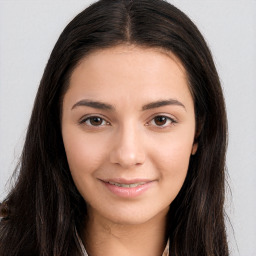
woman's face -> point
(128, 127)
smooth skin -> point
(128, 114)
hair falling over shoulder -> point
(43, 209)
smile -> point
(133, 185)
(128, 189)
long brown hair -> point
(44, 207)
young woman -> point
(125, 150)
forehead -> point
(128, 71)
(130, 53)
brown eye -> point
(94, 121)
(160, 120)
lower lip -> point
(128, 192)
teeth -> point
(133, 185)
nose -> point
(128, 150)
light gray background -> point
(29, 30)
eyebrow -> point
(105, 106)
(161, 103)
(93, 104)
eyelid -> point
(83, 119)
(171, 118)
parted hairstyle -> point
(43, 209)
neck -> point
(102, 237)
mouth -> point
(128, 188)
(131, 185)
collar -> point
(165, 253)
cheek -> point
(174, 165)
(172, 152)
(172, 161)
(177, 157)
(84, 153)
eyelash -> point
(170, 121)
(90, 118)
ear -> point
(194, 148)
(199, 127)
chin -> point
(131, 216)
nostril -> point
(127, 158)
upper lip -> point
(126, 181)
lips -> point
(128, 188)
(130, 185)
